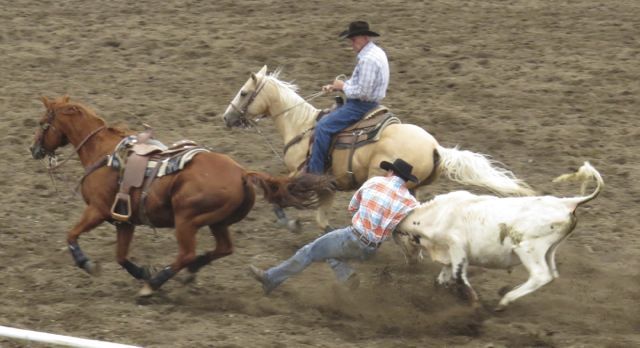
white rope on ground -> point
(57, 339)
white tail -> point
(472, 168)
(586, 173)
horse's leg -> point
(326, 201)
(125, 235)
(91, 218)
(224, 247)
(293, 225)
(186, 238)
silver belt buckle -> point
(364, 240)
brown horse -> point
(212, 190)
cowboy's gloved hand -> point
(327, 88)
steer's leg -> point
(459, 265)
(532, 255)
(551, 255)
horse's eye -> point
(243, 93)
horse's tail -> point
(472, 168)
(586, 173)
(300, 191)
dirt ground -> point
(539, 85)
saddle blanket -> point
(169, 164)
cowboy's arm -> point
(362, 82)
(355, 201)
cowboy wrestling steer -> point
(460, 229)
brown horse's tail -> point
(300, 192)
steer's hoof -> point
(146, 291)
(93, 268)
(500, 308)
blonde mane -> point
(275, 77)
(288, 90)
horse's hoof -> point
(93, 268)
(294, 226)
(146, 291)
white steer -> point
(459, 229)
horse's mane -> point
(119, 129)
(289, 98)
(275, 77)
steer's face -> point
(410, 246)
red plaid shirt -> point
(379, 206)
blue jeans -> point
(351, 112)
(335, 247)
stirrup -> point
(121, 208)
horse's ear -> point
(254, 78)
(263, 71)
(45, 101)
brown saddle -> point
(136, 157)
(363, 132)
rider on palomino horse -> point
(364, 90)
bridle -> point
(244, 110)
(46, 126)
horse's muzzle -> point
(233, 120)
(37, 152)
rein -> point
(243, 111)
(295, 139)
(58, 165)
(89, 170)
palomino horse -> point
(212, 190)
(264, 94)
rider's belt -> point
(363, 238)
(361, 100)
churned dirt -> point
(541, 86)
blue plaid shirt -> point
(370, 77)
(379, 206)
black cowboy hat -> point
(400, 168)
(357, 28)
